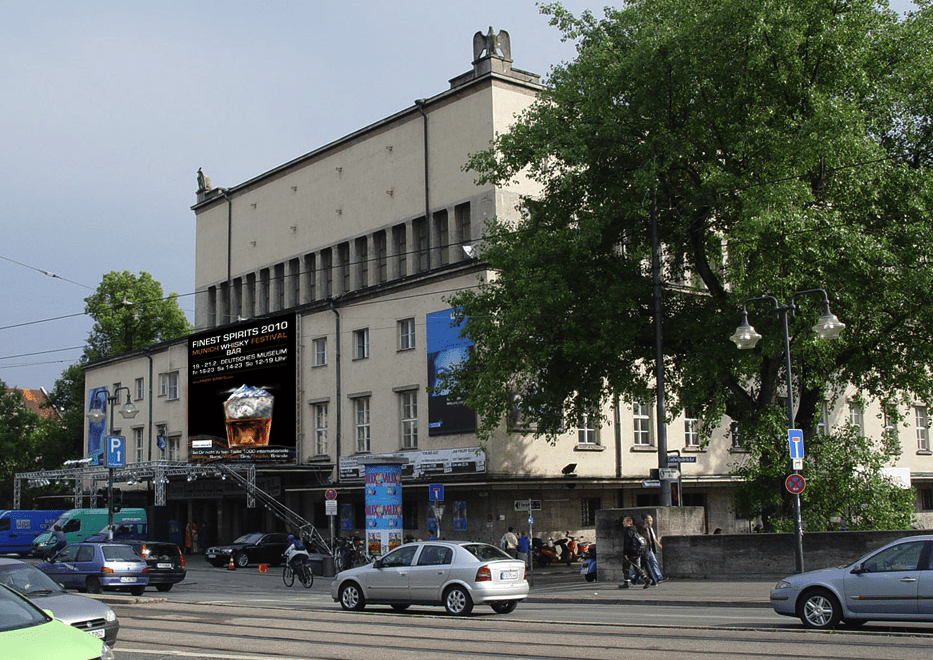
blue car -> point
(93, 567)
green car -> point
(29, 633)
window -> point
(173, 449)
(588, 508)
(361, 420)
(138, 443)
(923, 437)
(409, 411)
(822, 424)
(586, 429)
(855, 416)
(406, 334)
(926, 499)
(897, 559)
(139, 387)
(361, 344)
(691, 428)
(642, 424)
(320, 351)
(168, 385)
(320, 428)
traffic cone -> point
(231, 566)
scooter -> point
(543, 554)
(568, 549)
(588, 570)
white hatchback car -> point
(455, 574)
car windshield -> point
(485, 552)
(16, 613)
(27, 580)
(249, 538)
(119, 553)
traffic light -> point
(675, 493)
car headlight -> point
(783, 584)
(110, 616)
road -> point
(248, 615)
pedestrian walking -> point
(524, 549)
(509, 543)
(654, 545)
(633, 547)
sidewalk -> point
(567, 585)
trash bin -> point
(316, 561)
(330, 569)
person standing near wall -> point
(509, 543)
(654, 545)
(524, 549)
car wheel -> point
(819, 609)
(400, 607)
(92, 584)
(351, 597)
(504, 606)
(164, 587)
(241, 560)
(137, 590)
(457, 601)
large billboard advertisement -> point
(97, 400)
(446, 348)
(242, 392)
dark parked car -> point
(256, 548)
(93, 567)
(166, 564)
(81, 612)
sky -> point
(110, 108)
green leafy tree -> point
(787, 146)
(20, 433)
(131, 312)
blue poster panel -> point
(242, 392)
(96, 431)
(460, 517)
(383, 508)
(446, 348)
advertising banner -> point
(383, 508)
(446, 349)
(421, 464)
(242, 392)
(97, 399)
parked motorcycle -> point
(543, 554)
(588, 570)
(567, 549)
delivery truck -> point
(18, 529)
(79, 524)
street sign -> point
(330, 494)
(436, 493)
(681, 459)
(796, 464)
(116, 451)
(669, 473)
(795, 440)
(795, 484)
(330, 507)
(651, 483)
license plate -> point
(212, 556)
(99, 634)
(508, 575)
(127, 579)
(163, 565)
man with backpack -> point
(634, 547)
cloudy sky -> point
(110, 108)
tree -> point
(131, 312)
(19, 441)
(788, 146)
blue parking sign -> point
(116, 451)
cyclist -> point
(296, 555)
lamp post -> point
(745, 337)
(95, 415)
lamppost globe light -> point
(96, 415)
(745, 336)
(829, 327)
(128, 410)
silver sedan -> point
(894, 583)
(455, 574)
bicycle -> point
(305, 576)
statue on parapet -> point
(488, 44)
(204, 182)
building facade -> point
(360, 244)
